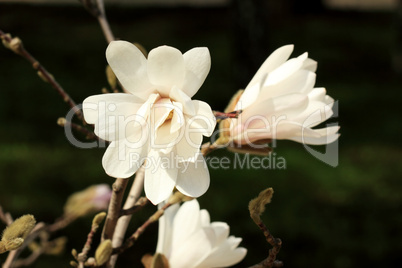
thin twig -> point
(113, 214)
(30, 259)
(88, 133)
(82, 257)
(131, 240)
(97, 10)
(15, 44)
(139, 205)
(256, 208)
(122, 223)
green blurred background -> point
(348, 216)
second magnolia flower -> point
(156, 118)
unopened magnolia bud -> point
(15, 44)
(74, 253)
(14, 244)
(257, 205)
(92, 199)
(111, 77)
(103, 252)
(61, 121)
(98, 219)
(42, 76)
(73, 264)
(20, 228)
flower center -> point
(170, 115)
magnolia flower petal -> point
(165, 68)
(130, 67)
(164, 139)
(178, 119)
(284, 71)
(248, 97)
(310, 65)
(225, 255)
(221, 230)
(121, 160)
(160, 177)
(193, 250)
(179, 96)
(276, 59)
(276, 109)
(316, 141)
(193, 177)
(186, 222)
(111, 113)
(188, 146)
(204, 119)
(316, 113)
(198, 64)
(160, 111)
(165, 230)
(301, 81)
(204, 218)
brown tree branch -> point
(131, 240)
(15, 44)
(113, 214)
(97, 9)
(122, 223)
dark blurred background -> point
(348, 216)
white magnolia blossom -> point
(188, 239)
(155, 120)
(280, 102)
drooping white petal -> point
(198, 63)
(165, 68)
(193, 177)
(160, 177)
(276, 59)
(130, 67)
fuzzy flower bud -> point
(15, 233)
(94, 198)
(103, 252)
